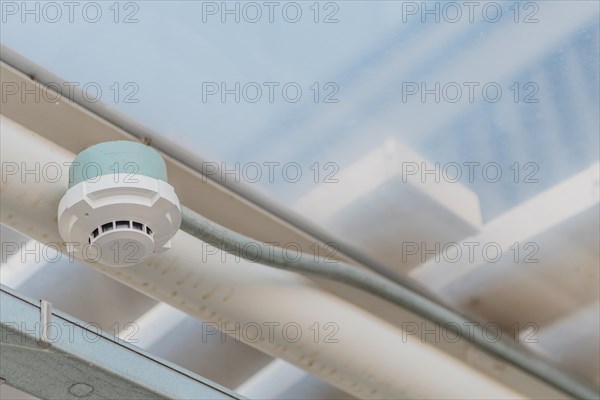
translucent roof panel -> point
(399, 128)
(499, 98)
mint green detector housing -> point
(116, 157)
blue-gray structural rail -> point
(51, 355)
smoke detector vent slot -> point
(119, 225)
(122, 224)
(107, 227)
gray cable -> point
(256, 251)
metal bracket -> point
(45, 324)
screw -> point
(81, 389)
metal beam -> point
(64, 358)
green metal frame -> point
(51, 355)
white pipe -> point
(154, 325)
(18, 268)
(272, 381)
(371, 358)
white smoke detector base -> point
(119, 220)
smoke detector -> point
(119, 208)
